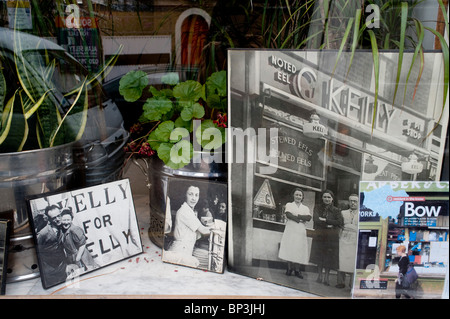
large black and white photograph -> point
(4, 244)
(196, 224)
(79, 231)
(306, 126)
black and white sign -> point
(82, 230)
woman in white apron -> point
(294, 245)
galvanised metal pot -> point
(24, 174)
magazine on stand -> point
(302, 137)
(402, 240)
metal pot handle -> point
(143, 169)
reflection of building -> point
(152, 32)
(280, 89)
(156, 32)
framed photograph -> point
(196, 224)
(82, 230)
(4, 243)
(305, 128)
(403, 228)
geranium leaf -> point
(132, 84)
(188, 91)
(162, 132)
(171, 78)
(194, 111)
(179, 122)
(209, 136)
(217, 83)
(155, 107)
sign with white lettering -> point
(80, 36)
(82, 230)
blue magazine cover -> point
(402, 247)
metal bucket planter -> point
(158, 174)
(23, 174)
(101, 162)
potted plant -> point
(181, 132)
(50, 109)
(176, 117)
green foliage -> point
(342, 25)
(32, 113)
(172, 111)
(132, 84)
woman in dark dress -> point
(325, 246)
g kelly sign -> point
(83, 230)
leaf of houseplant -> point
(171, 78)
(343, 42)
(376, 68)
(155, 107)
(14, 131)
(216, 83)
(445, 54)
(178, 133)
(355, 38)
(176, 155)
(194, 111)
(2, 91)
(74, 121)
(403, 25)
(153, 141)
(168, 93)
(420, 36)
(179, 122)
(180, 154)
(209, 136)
(188, 91)
(217, 102)
(132, 84)
(162, 132)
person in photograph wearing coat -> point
(347, 242)
(328, 222)
(294, 245)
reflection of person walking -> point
(402, 269)
(347, 242)
(294, 245)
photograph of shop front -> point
(402, 225)
(304, 120)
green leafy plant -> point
(341, 25)
(37, 108)
(178, 116)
